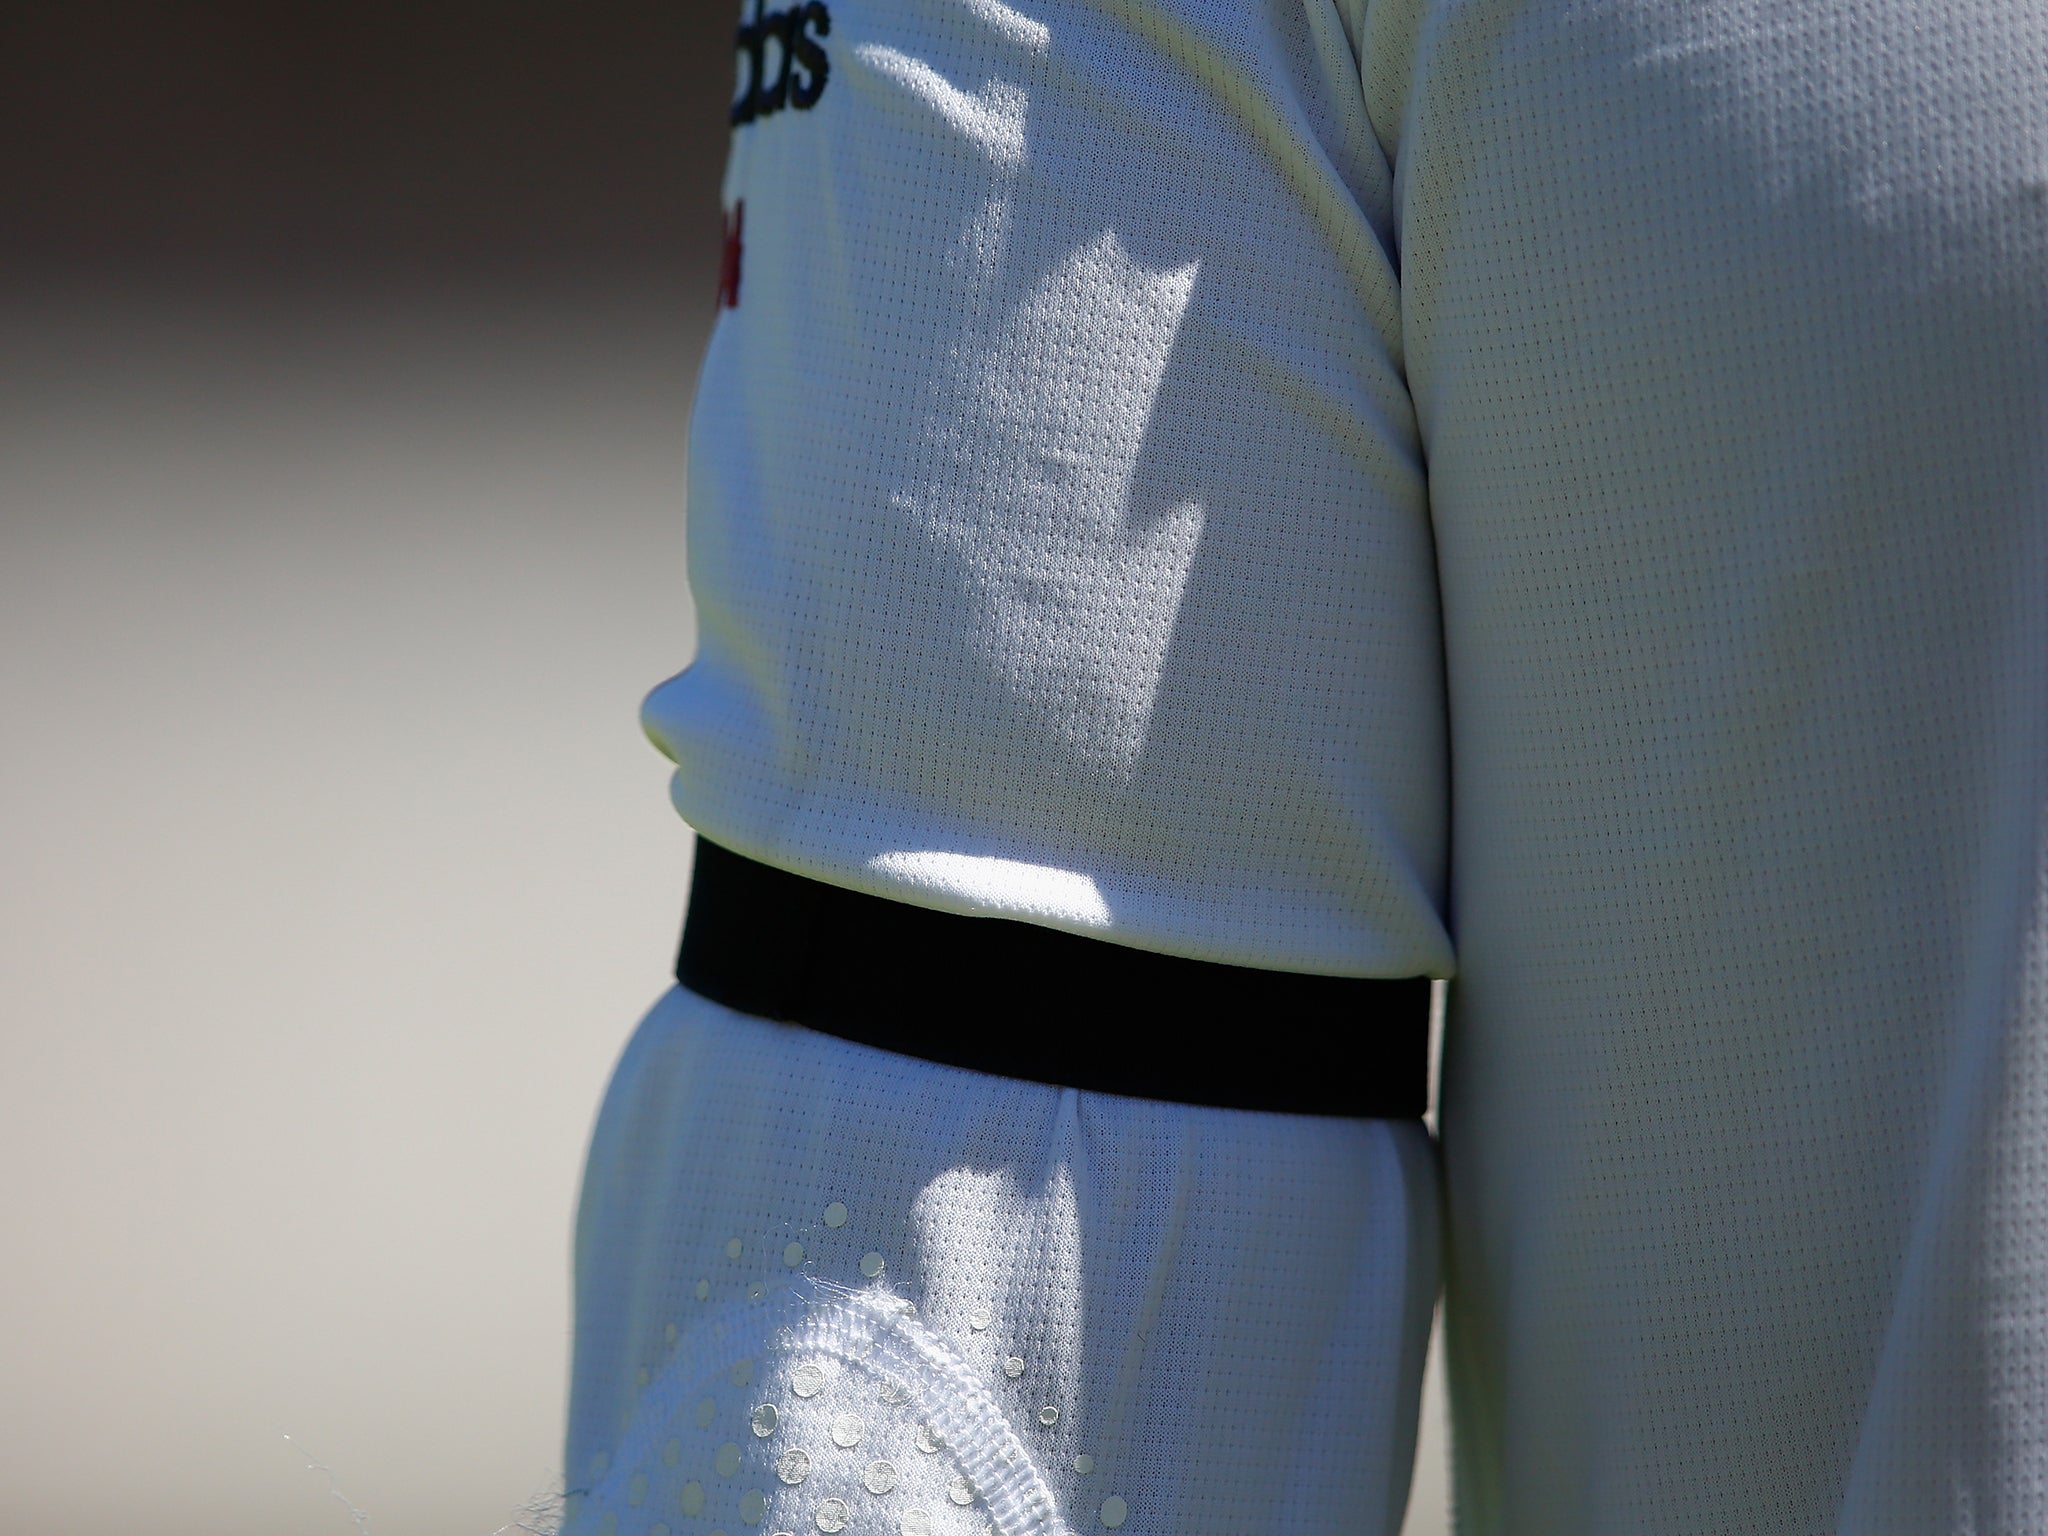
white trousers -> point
(821, 1287)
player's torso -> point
(1055, 495)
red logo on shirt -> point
(729, 265)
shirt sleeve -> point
(1725, 332)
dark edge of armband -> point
(1016, 1000)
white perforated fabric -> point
(1056, 519)
(1145, 423)
(985, 1287)
(1727, 328)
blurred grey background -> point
(345, 360)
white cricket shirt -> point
(1145, 423)
(1057, 525)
